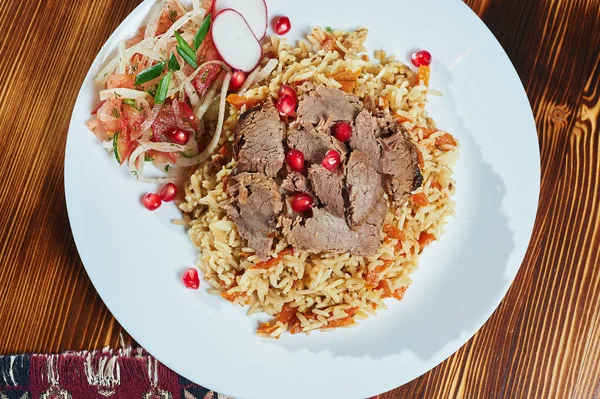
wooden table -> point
(542, 342)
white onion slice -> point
(214, 142)
(122, 58)
(162, 147)
(256, 76)
(140, 48)
(208, 98)
(122, 93)
(190, 78)
(154, 19)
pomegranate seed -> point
(295, 159)
(342, 131)
(285, 89)
(286, 105)
(301, 202)
(152, 201)
(168, 192)
(421, 58)
(191, 279)
(332, 160)
(282, 25)
(180, 136)
(237, 80)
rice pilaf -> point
(321, 291)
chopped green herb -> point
(185, 51)
(172, 15)
(115, 113)
(117, 96)
(163, 88)
(132, 104)
(173, 64)
(152, 93)
(115, 147)
(135, 173)
(134, 67)
(150, 73)
(328, 29)
(167, 168)
(148, 158)
(201, 34)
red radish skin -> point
(237, 80)
(168, 192)
(255, 12)
(235, 42)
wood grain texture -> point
(542, 342)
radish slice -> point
(254, 12)
(235, 41)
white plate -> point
(135, 258)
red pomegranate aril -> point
(191, 279)
(301, 202)
(295, 160)
(180, 137)
(421, 58)
(168, 192)
(332, 160)
(342, 131)
(152, 201)
(286, 90)
(237, 80)
(286, 105)
(282, 25)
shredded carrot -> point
(383, 285)
(426, 239)
(346, 321)
(445, 141)
(373, 276)
(266, 328)
(399, 293)
(400, 118)
(239, 101)
(419, 199)
(386, 101)
(420, 158)
(328, 44)
(424, 74)
(348, 79)
(394, 232)
(223, 151)
(273, 261)
(436, 184)
(232, 297)
(428, 132)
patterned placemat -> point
(116, 374)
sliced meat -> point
(255, 206)
(325, 232)
(295, 182)
(387, 124)
(366, 203)
(259, 141)
(328, 186)
(400, 164)
(324, 103)
(314, 144)
(363, 136)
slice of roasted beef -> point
(328, 186)
(259, 141)
(324, 103)
(314, 143)
(255, 206)
(400, 165)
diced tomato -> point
(273, 261)
(426, 239)
(446, 142)
(136, 39)
(205, 78)
(96, 127)
(167, 121)
(120, 81)
(419, 199)
(240, 101)
(170, 14)
(110, 115)
(123, 146)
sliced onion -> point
(214, 142)
(162, 147)
(154, 19)
(190, 78)
(164, 38)
(140, 48)
(189, 89)
(209, 97)
(258, 76)
(122, 93)
(122, 58)
(150, 117)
